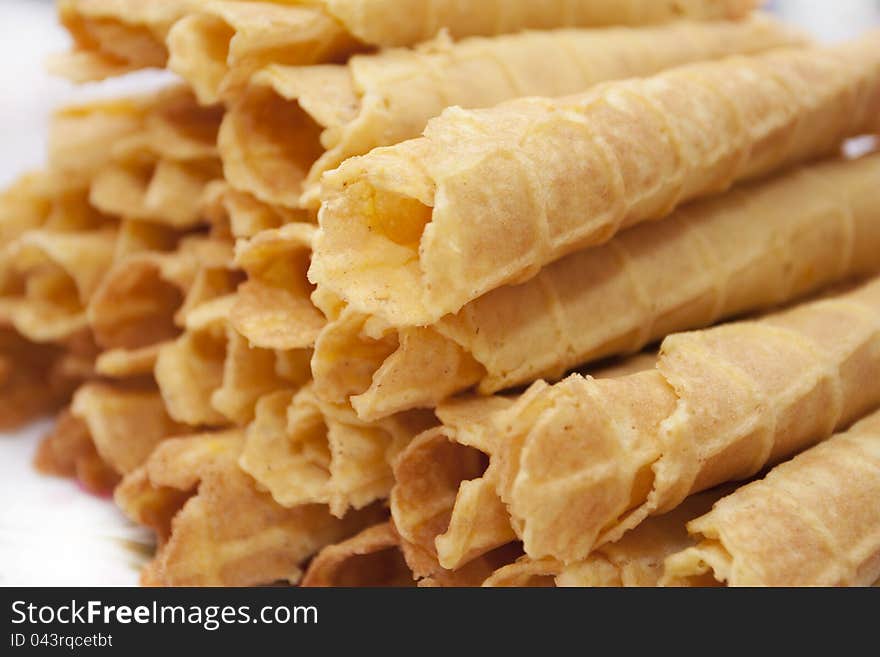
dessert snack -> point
(220, 44)
(400, 236)
(576, 465)
(754, 247)
(823, 501)
(291, 124)
(215, 527)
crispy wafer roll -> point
(371, 558)
(445, 505)
(721, 405)
(575, 465)
(400, 237)
(124, 423)
(143, 300)
(68, 450)
(303, 450)
(34, 378)
(813, 521)
(47, 278)
(218, 47)
(755, 247)
(113, 37)
(212, 376)
(159, 191)
(168, 123)
(215, 527)
(295, 123)
(635, 560)
(273, 308)
(236, 214)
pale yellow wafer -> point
(755, 247)
(292, 124)
(124, 423)
(273, 308)
(414, 231)
(113, 37)
(813, 521)
(578, 464)
(635, 560)
(215, 527)
(303, 450)
(218, 47)
(48, 277)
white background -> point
(51, 533)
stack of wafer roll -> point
(309, 313)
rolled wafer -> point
(47, 278)
(218, 47)
(292, 124)
(813, 521)
(212, 376)
(273, 308)
(722, 404)
(125, 423)
(68, 450)
(215, 527)
(375, 558)
(168, 123)
(160, 191)
(444, 503)
(143, 300)
(371, 558)
(303, 451)
(236, 214)
(113, 37)
(635, 560)
(755, 247)
(399, 233)
(34, 378)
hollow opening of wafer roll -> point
(373, 569)
(429, 476)
(199, 45)
(347, 357)
(368, 249)
(135, 307)
(115, 40)
(269, 145)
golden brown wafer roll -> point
(236, 214)
(295, 123)
(305, 451)
(113, 37)
(755, 247)
(125, 423)
(445, 505)
(167, 123)
(143, 300)
(215, 527)
(813, 521)
(399, 236)
(576, 465)
(47, 278)
(35, 379)
(273, 308)
(218, 47)
(68, 450)
(635, 560)
(371, 558)
(212, 376)
(159, 191)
